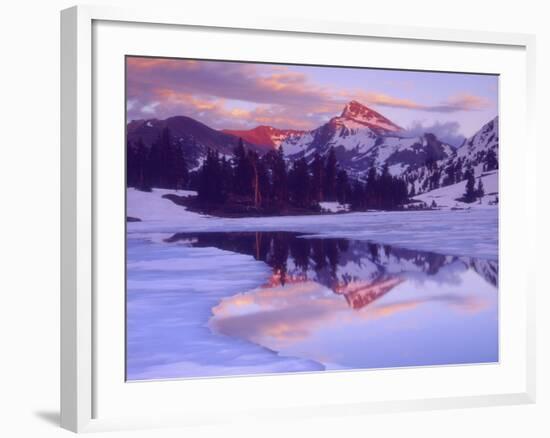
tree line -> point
(162, 165)
(265, 182)
(472, 192)
(268, 182)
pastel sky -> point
(239, 95)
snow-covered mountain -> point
(361, 137)
(475, 149)
(478, 153)
(264, 136)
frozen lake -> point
(212, 297)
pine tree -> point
(386, 188)
(400, 190)
(155, 163)
(166, 173)
(458, 171)
(372, 196)
(226, 176)
(299, 183)
(264, 180)
(450, 177)
(491, 161)
(317, 174)
(210, 179)
(430, 160)
(143, 167)
(179, 175)
(342, 187)
(358, 198)
(330, 175)
(434, 177)
(203, 189)
(470, 193)
(131, 165)
(243, 177)
(279, 179)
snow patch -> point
(333, 207)
(151, 206)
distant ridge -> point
(265, 136)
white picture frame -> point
(79, 221)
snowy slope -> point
(446, 197)
(473, 153)
(368, 117)
(294, 144)
(477, 146)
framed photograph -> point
(263, 208)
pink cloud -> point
(210, 91)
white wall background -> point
(29, 218)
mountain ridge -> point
(360, 137)
(264, 135)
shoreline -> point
(472, 233)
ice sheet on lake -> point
(472, 233)
(170, 292)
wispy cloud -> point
(239, 95)
(448, 132)
(460, 102)
(381, 99)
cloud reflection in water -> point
(356, 304)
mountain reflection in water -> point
(357, 304)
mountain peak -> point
(354, 108)
(360, 113)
